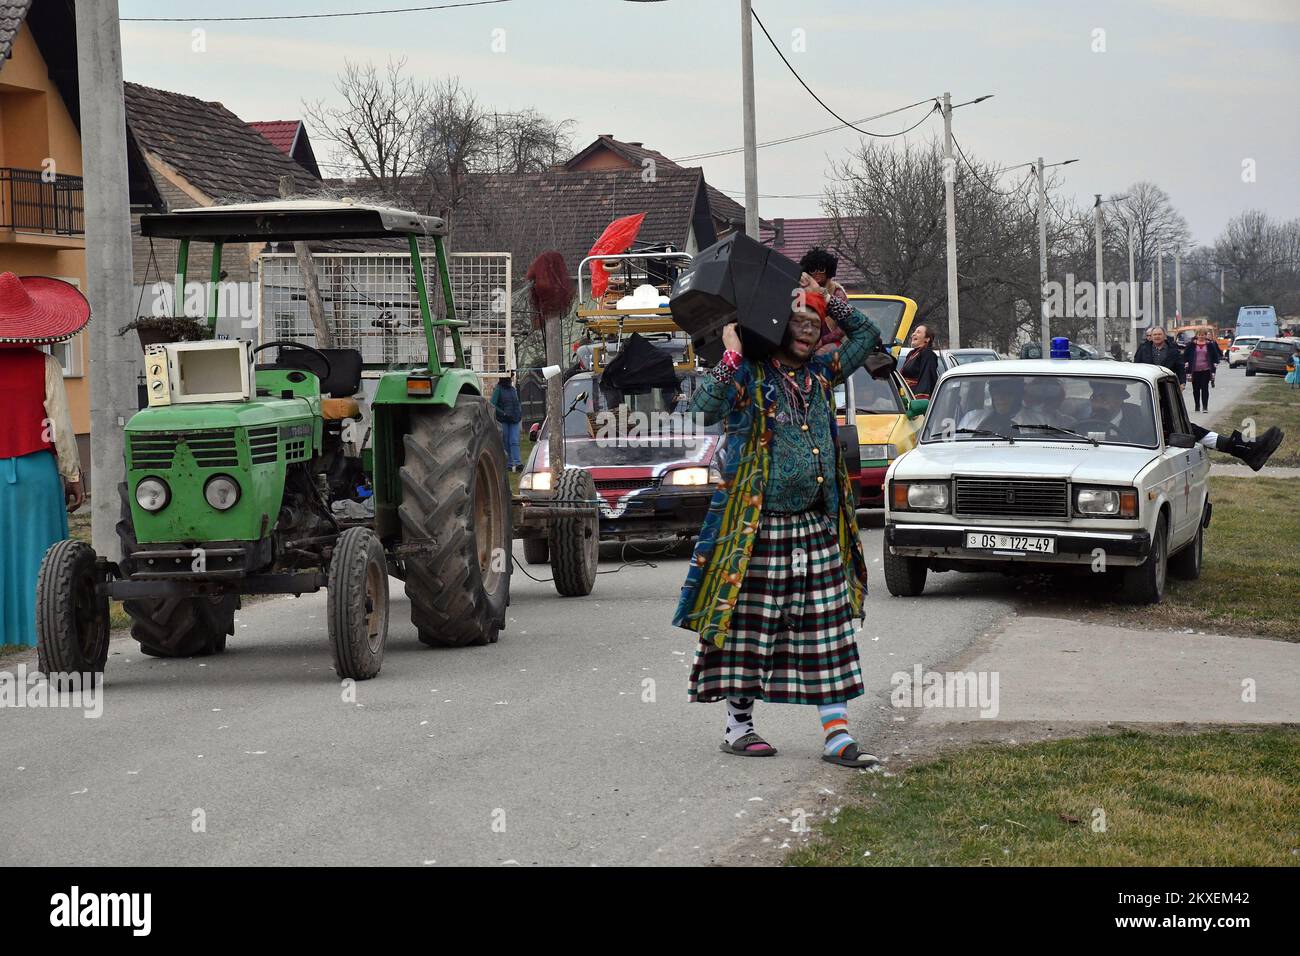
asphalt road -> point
(546, 748)
(549, 732)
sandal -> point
(851, 756)
(750, 745)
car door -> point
(1189, 467)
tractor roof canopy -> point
(289, 220)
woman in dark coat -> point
(1201, 357)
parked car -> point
(1271, 356)
(951, 358)
(653, 480)
(889, 419)
(1240, 349)
(1040, 465)
(1034, 350)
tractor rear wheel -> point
(575, 542)
(456, 503)
(71, 620)
(358, 604)
(176, 626)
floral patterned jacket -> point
(749, 402)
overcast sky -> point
(1184, 92)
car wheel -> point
(1249, 371)
(1186, 564)
(904, 577)
(1145, 584)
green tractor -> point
(247, 480)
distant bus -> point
(1258, 320)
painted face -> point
(819, 276)
(803, 333)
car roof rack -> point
(289, 220)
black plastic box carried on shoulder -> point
(735, 280)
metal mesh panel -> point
(371, 305)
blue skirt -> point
(32, 517)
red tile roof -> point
(280, 133)
(800, 235)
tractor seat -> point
(339, 409)
(345, 369)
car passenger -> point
(1109, 406)
(1043, 398)
(1006, 394)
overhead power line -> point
(971, 167)
(822, 102)
(313, 16)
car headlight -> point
(688, 476)
(920, 496)
(877, 452)
(535, 481)
(152, 494)
(221, 491)
(1106, 502)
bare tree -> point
(376, 130)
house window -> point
(69, 353)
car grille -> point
(1025, 498)
(625, 484)
(155, 451)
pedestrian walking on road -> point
(40, 469)
(1201, 357)
(1158, 350)
(509, 413)
(777, 580)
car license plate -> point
(1010, 542)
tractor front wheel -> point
(455, 517)
(176, 626)
(536, 551)
(358, 604)
(71, 619)
(575, 542)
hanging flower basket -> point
(155, 330)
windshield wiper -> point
(984, 431)
(1059, 430)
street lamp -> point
(950, 214)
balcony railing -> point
(30, 202)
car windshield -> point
(1280, 347)
(874, 396)
(966, 358)
(1105, 409)
(885, 314)
(1245, 341)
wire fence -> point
(371, 305)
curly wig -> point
(818, 258)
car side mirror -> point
(918, 407)
(1181, 440)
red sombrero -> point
(37, 310)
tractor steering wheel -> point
(285, 344)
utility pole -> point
(1178, 287)
(1042, 258)
(751, 135)
(1220, 285)
(1132, 296)
(108, 259)
(1101, 288)
(1160, 283)
(950, 215)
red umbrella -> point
(616, 238)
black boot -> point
(1254, 453)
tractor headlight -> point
(221, 491)
(535, 481)
(152, 494)
(688, 476)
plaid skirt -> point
(792, 632)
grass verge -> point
(1271, 403)
(1250, 580)
(1226, 798)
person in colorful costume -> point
(777, 579)
(40, 471)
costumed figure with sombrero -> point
(40, 472)
(777, 579)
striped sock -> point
(740, 718)
(835, 724)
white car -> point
(1240, 349)
(1038, 465)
